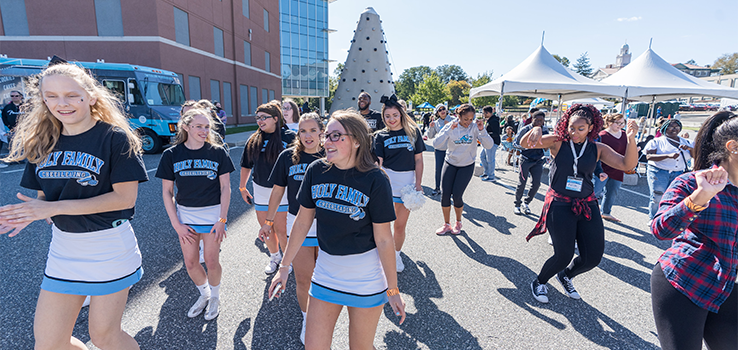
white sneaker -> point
(213, 309)
(525, 208)
(302, 333)
(398, 262)
(273, 265)
(571, 292)
(199, 305)
(86, 302)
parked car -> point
(699, 107)
(685, 106)
(713, 106)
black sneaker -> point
(571, 292)
(540, 292)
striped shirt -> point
(703, 257)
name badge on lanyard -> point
(574, 183)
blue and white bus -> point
(151, 97)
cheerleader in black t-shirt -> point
(570, 211)
(200, 168)
(287, 174)
(84, 161)
(399, 147)
(349, 197)
(259, 156)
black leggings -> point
(681, 324)
(565, 228)
(535, 169)
(455, 180)
(440, 161)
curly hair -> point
(586, 112)
(709, 145)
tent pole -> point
(650, 122)
(558, 113)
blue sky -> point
(497, 35)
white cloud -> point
(631, 19)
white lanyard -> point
(574, 154)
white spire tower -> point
(367, 67)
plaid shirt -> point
(703, 257)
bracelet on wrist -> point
(281, 266)
(693, 207)
(269, 222)
(242, 189)
(393, 291)
(222, 220)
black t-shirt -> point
(195, 172)
(561, 169)
(493, 128)
(395, 149)
(374, 119)
(260, 167)
(11, 112)
(347, 202)
(287, 174)
(85, 166)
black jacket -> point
(493, 128)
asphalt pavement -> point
(470, 291)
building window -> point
(15, 22)
(245, 7)
(218, 42)
(266, 20)
(243, 92)
(194, 83)
(226, 102)
(271, 95)
(267, 62)
(181, 27)
(254, 99)
(214, 90)
(264, 96)
(109, 18)
(247, 53)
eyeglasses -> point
(334, 136)
(15, 95)
(261, 119)
(619, 123)
(287, 108)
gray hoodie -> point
(461, 143)
(438, 124)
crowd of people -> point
(321, 193)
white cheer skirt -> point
(311, 240)
(398, 180)
(200, 219)
(355, 280)
(261, 199)
(92, 263)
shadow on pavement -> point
(278, 323)
(429, 325)
(477, 216)
(585, 319)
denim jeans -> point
(606, 191)
(658, 181)
(487, 159)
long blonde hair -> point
(38, 130)
(299, 147)
(408, 125)
(356, 125)
(187, 119)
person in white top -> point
(668, 157)
(291, 114)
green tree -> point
(333, 85)
(582, 65)
(510, 101)
(481, 79)
(691, 62)
(728, 63)
(408, 81)
(458, 91)
(431, 90)
(563, 60)
(450, 72)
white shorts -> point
(200, 219)
(355, 280)
(261, 199)
(92, 263)
(312, 237)
(398, 180)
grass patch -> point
(238, 129)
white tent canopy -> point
(650, 78)
(541, 75)
(597, 102)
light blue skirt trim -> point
(204, 228)
(61, 286)
(397, 200)
(349, 299)
(280, 209)
(310, 242)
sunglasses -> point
(15, 95)
(334, 136)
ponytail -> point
(709, 147)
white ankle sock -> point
(215, 291)
(204, 289)
(397, 254)
(276, 256)
(304, 316)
